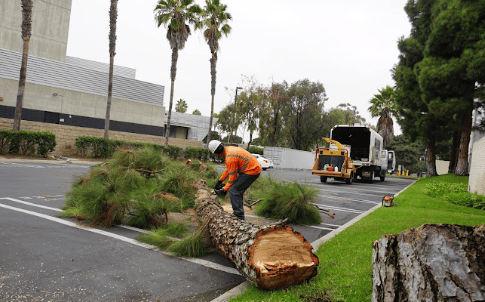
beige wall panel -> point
(49, 39)
(158, 116)
(118, 110)
(138, 113)
(100, 110)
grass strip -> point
(345, 270)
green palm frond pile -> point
(135, 187)
(290, 200)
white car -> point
(265, 163)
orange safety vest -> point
(239, 161)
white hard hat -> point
(214, 146)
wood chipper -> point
(334, 162)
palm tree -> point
(27, 6)
(174, 14)
(214, 23)
(113, 15)
(383, 106)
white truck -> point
(365, 147)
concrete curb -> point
(46, 161)
(315, 244)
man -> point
(242, 169)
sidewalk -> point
(50, 160)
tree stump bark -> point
(431, 263)
(270, 257)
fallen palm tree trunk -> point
(270, 257)
(431, 263)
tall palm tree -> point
(113, 15)
(214, 23)
(174, 14)
(383, 106)
(27, 6)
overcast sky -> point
(347, 45)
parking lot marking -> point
(202, 262)
(321, 228)
(32, 204)
(341, 209)
(350, 199)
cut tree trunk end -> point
(269, 257)
(435, 262)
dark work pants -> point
(236, 192)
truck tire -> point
(323, 178)
(349, 180)
(383, 176)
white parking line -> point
(341, 209)
(321, 228)
(202, 262)
(350, 199)
(32, 204)
(22, 165)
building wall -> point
(476, 181)
(47, 98)
(48, 39)
(66, 135)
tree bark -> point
(173, 72)
(462, 161)
(431, 263)
(431, 159)
(213, 62)
(454, 150)
(269, 257)
(27, 6)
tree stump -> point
(270, 257)
(440, 262)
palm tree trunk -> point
(113, 15)
(213, 62)
(462, 161)
(27, 6)
(110, 95)
(173, 72)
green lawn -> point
(345, 270)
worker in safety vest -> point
(242, 168)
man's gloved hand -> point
(221, 192)
(219, 185)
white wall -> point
(284, 158)
(476, 181)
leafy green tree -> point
(113, 15)
(408, 153)
(271, 117)
(383, 106)
(27, 6)
(234, 140)
(196, 112)
(413, 115)
(453, 69)
(345, 114)
(224, 122)
(303, 114)
(181, 106)
(175, 14)
(214, 22)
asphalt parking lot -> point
(54, 259)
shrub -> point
(256, 150)
(27, 142)
(456, 193)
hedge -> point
(27, 142)
(99, 147)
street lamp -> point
(234, 114)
